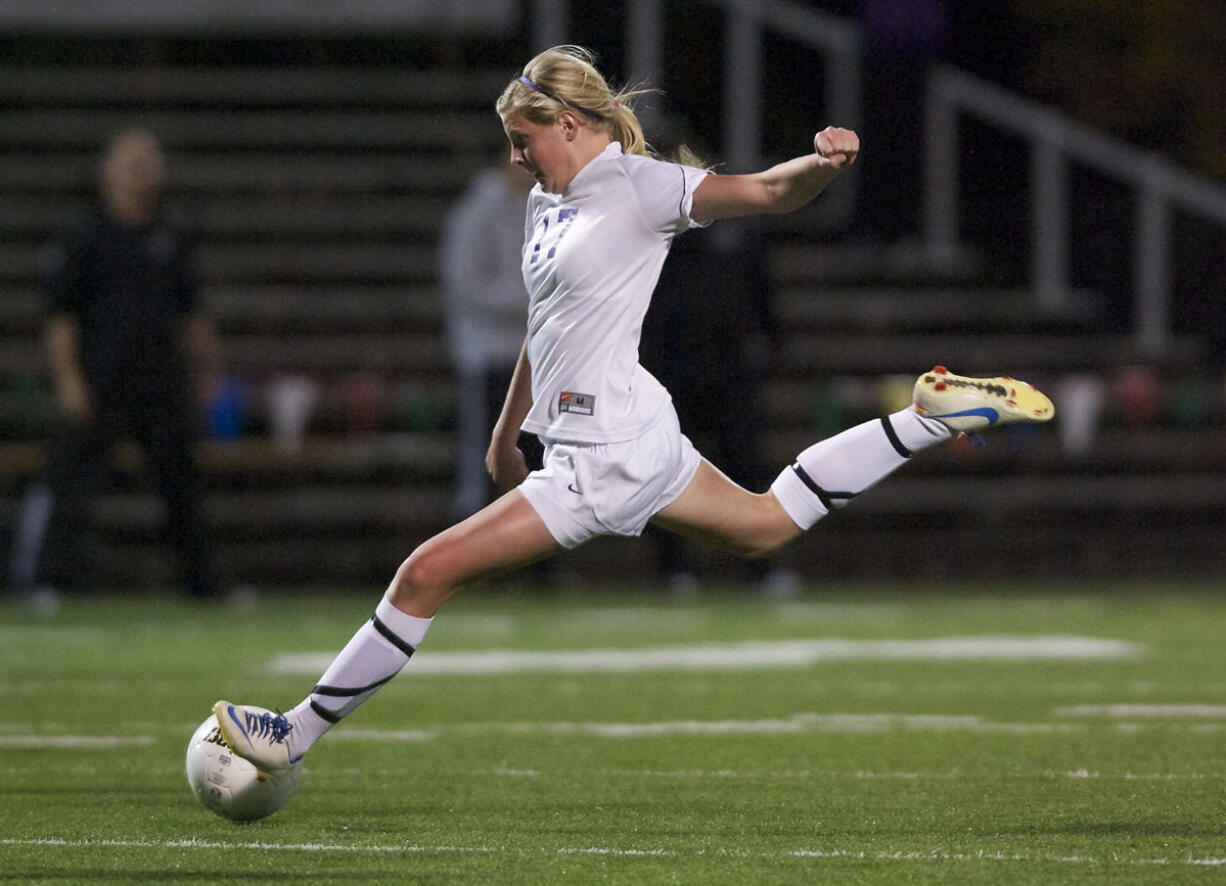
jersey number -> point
(566, 217)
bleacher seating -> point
(318, 195)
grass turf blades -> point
(846, 770)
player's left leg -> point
(502, 536)
(505, 535)
(168, 435)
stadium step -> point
(319, 196)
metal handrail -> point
(748, 20)
(1056, 139)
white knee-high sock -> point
(375, 654)
(831, 473)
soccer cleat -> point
(257, 735)
(967, 405)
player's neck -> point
(130, 210)
(587, 146)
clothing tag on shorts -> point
(580, 404)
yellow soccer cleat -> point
(967, 405)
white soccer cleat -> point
(258, 735)
(967, 405)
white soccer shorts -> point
(590, 489)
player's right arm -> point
(504, 459)
(65, 276)
(71, 390)
(784, 187)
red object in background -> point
(363, 403)
(1138, 390)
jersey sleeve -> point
(665, 192)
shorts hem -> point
(565, 529)
(681, 488)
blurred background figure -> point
(130, 354)
(487, 317)
(708, 337)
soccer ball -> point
(230, 786)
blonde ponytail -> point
(567, 77)
(624, 125)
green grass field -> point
(848, 736)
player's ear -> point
(569, 123)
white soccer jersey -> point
(592, 257)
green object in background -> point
(828, 415)
(1193, 401)
(29, 398)
(420, 410)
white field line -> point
(1157, 711)
(828, 854)
(803, 774)
(741, 656)
(76, 742)
(761, 774)
(401, 736)
(1135, 776)
(794, 725)
(44, 633)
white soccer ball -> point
(230, 786)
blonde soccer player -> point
(597, 231)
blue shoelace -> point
(274, 727)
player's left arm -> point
(784, 187)
(203, 355)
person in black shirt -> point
(125, 341)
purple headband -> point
(524, 80)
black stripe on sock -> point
(342, 692)
(390, 636)
(826, 498)
(893, 437)
(324, 713)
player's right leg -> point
(502, 536)
(967, 405)
(53, 518)
(833, 472)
